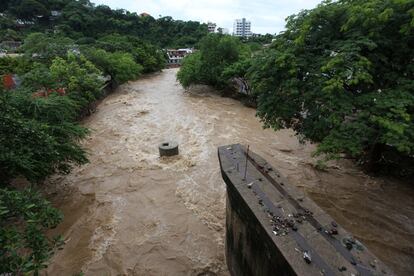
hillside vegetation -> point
(85, 22)
(70, 51)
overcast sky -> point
(267, 16)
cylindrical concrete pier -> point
(168, 148)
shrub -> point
(120, 66)
(24, 217)
(217, 52)
(41, 143)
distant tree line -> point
(341, 74)
(83, 21)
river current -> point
(129, 212)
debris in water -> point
(333, 231)
(307, 257)
(342, 268)
(353, 262)
(142, 112)
(348, 243)
(359, 245)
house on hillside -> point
(176, 56)
(55, 13)
(20, 23)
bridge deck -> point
(274, 229)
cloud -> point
(267, 16)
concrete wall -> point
(272, 228)
(249, 250)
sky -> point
(267, 16)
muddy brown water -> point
(129, 212)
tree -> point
(39, 137)
(143, 53)
(14, 65)
(79, 76)
(4, 5)
(120, 66)
(28, 9)
(207, 66)
(342, 75)
(24, 216)
(190, 70)
(36, 138)
(9, 34)
(41, 47)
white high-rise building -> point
(242, 27)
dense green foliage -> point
(120, 66)
(37, 141)
(24, 216)
(43, 47)
(38, 137)
(80, 19)
(210, 65)
(145, 54)
(190, 70)
(342, 75)
(38, 129)
(16, 65)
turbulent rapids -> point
(130, 212)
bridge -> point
(274, 229)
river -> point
(129, 212)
